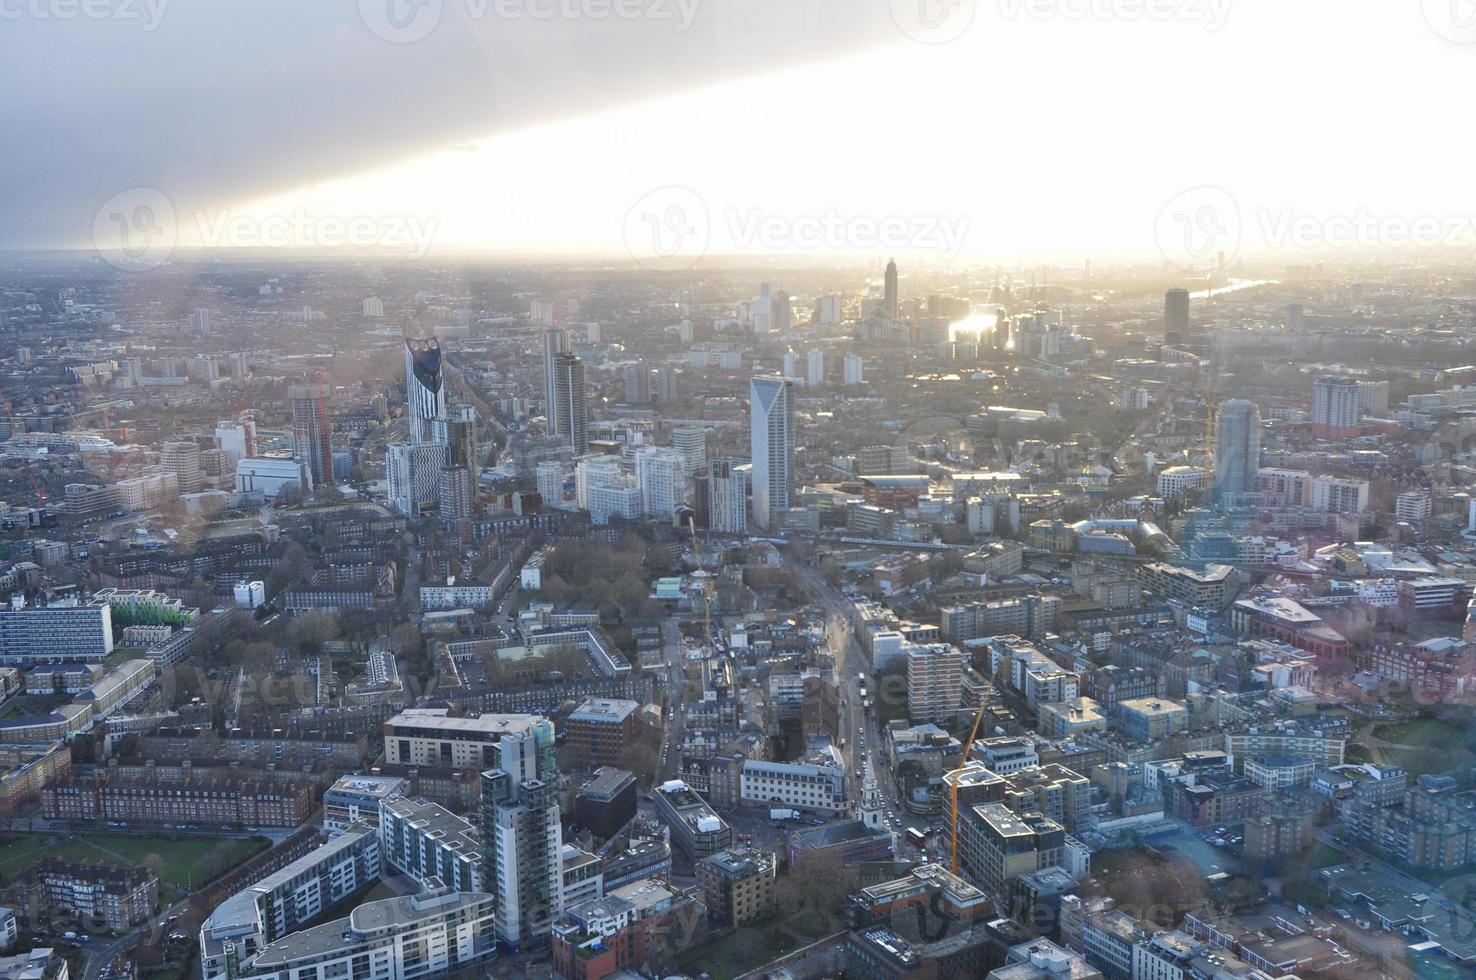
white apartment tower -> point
(661, 475)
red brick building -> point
(234, 800)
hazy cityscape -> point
(651, 528)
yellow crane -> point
(953, 794)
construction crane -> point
(708, 584)
(953, 802)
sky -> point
(665, 131)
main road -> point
(856, 724)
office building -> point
(661, 477)
(598, 732)
(771, 444)
(1336, 406)
(312, 444)
(571, 403)
(618, 933)
(1237, 451)
(1041, 959)
(425, 390)
(1176, 325)
(606, 803)
(696, 830)
(890, 305)
(271, 476)
(522, 836)
(738, 886)
(815, 785)
(996, 846)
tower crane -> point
(953, 794)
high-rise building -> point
(425, 390)
(1338, 495)
(855, 369)
(889, 295)
(934, 682)
(771, 443)
(638, 383)
(1237, 450)
(571, 402)
(413, 476)
(454, 493)
(237, 438)
(457, 491)
(311, 432)
(1336, 406)
(666, 384)
(1176, 325)
(550, 478)
(555, 342)
(661, 475)
(594, 471)
(183, 459)
(727, 497)
(691, 442)
(830, 310)
(522, 838)
(815, 368)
